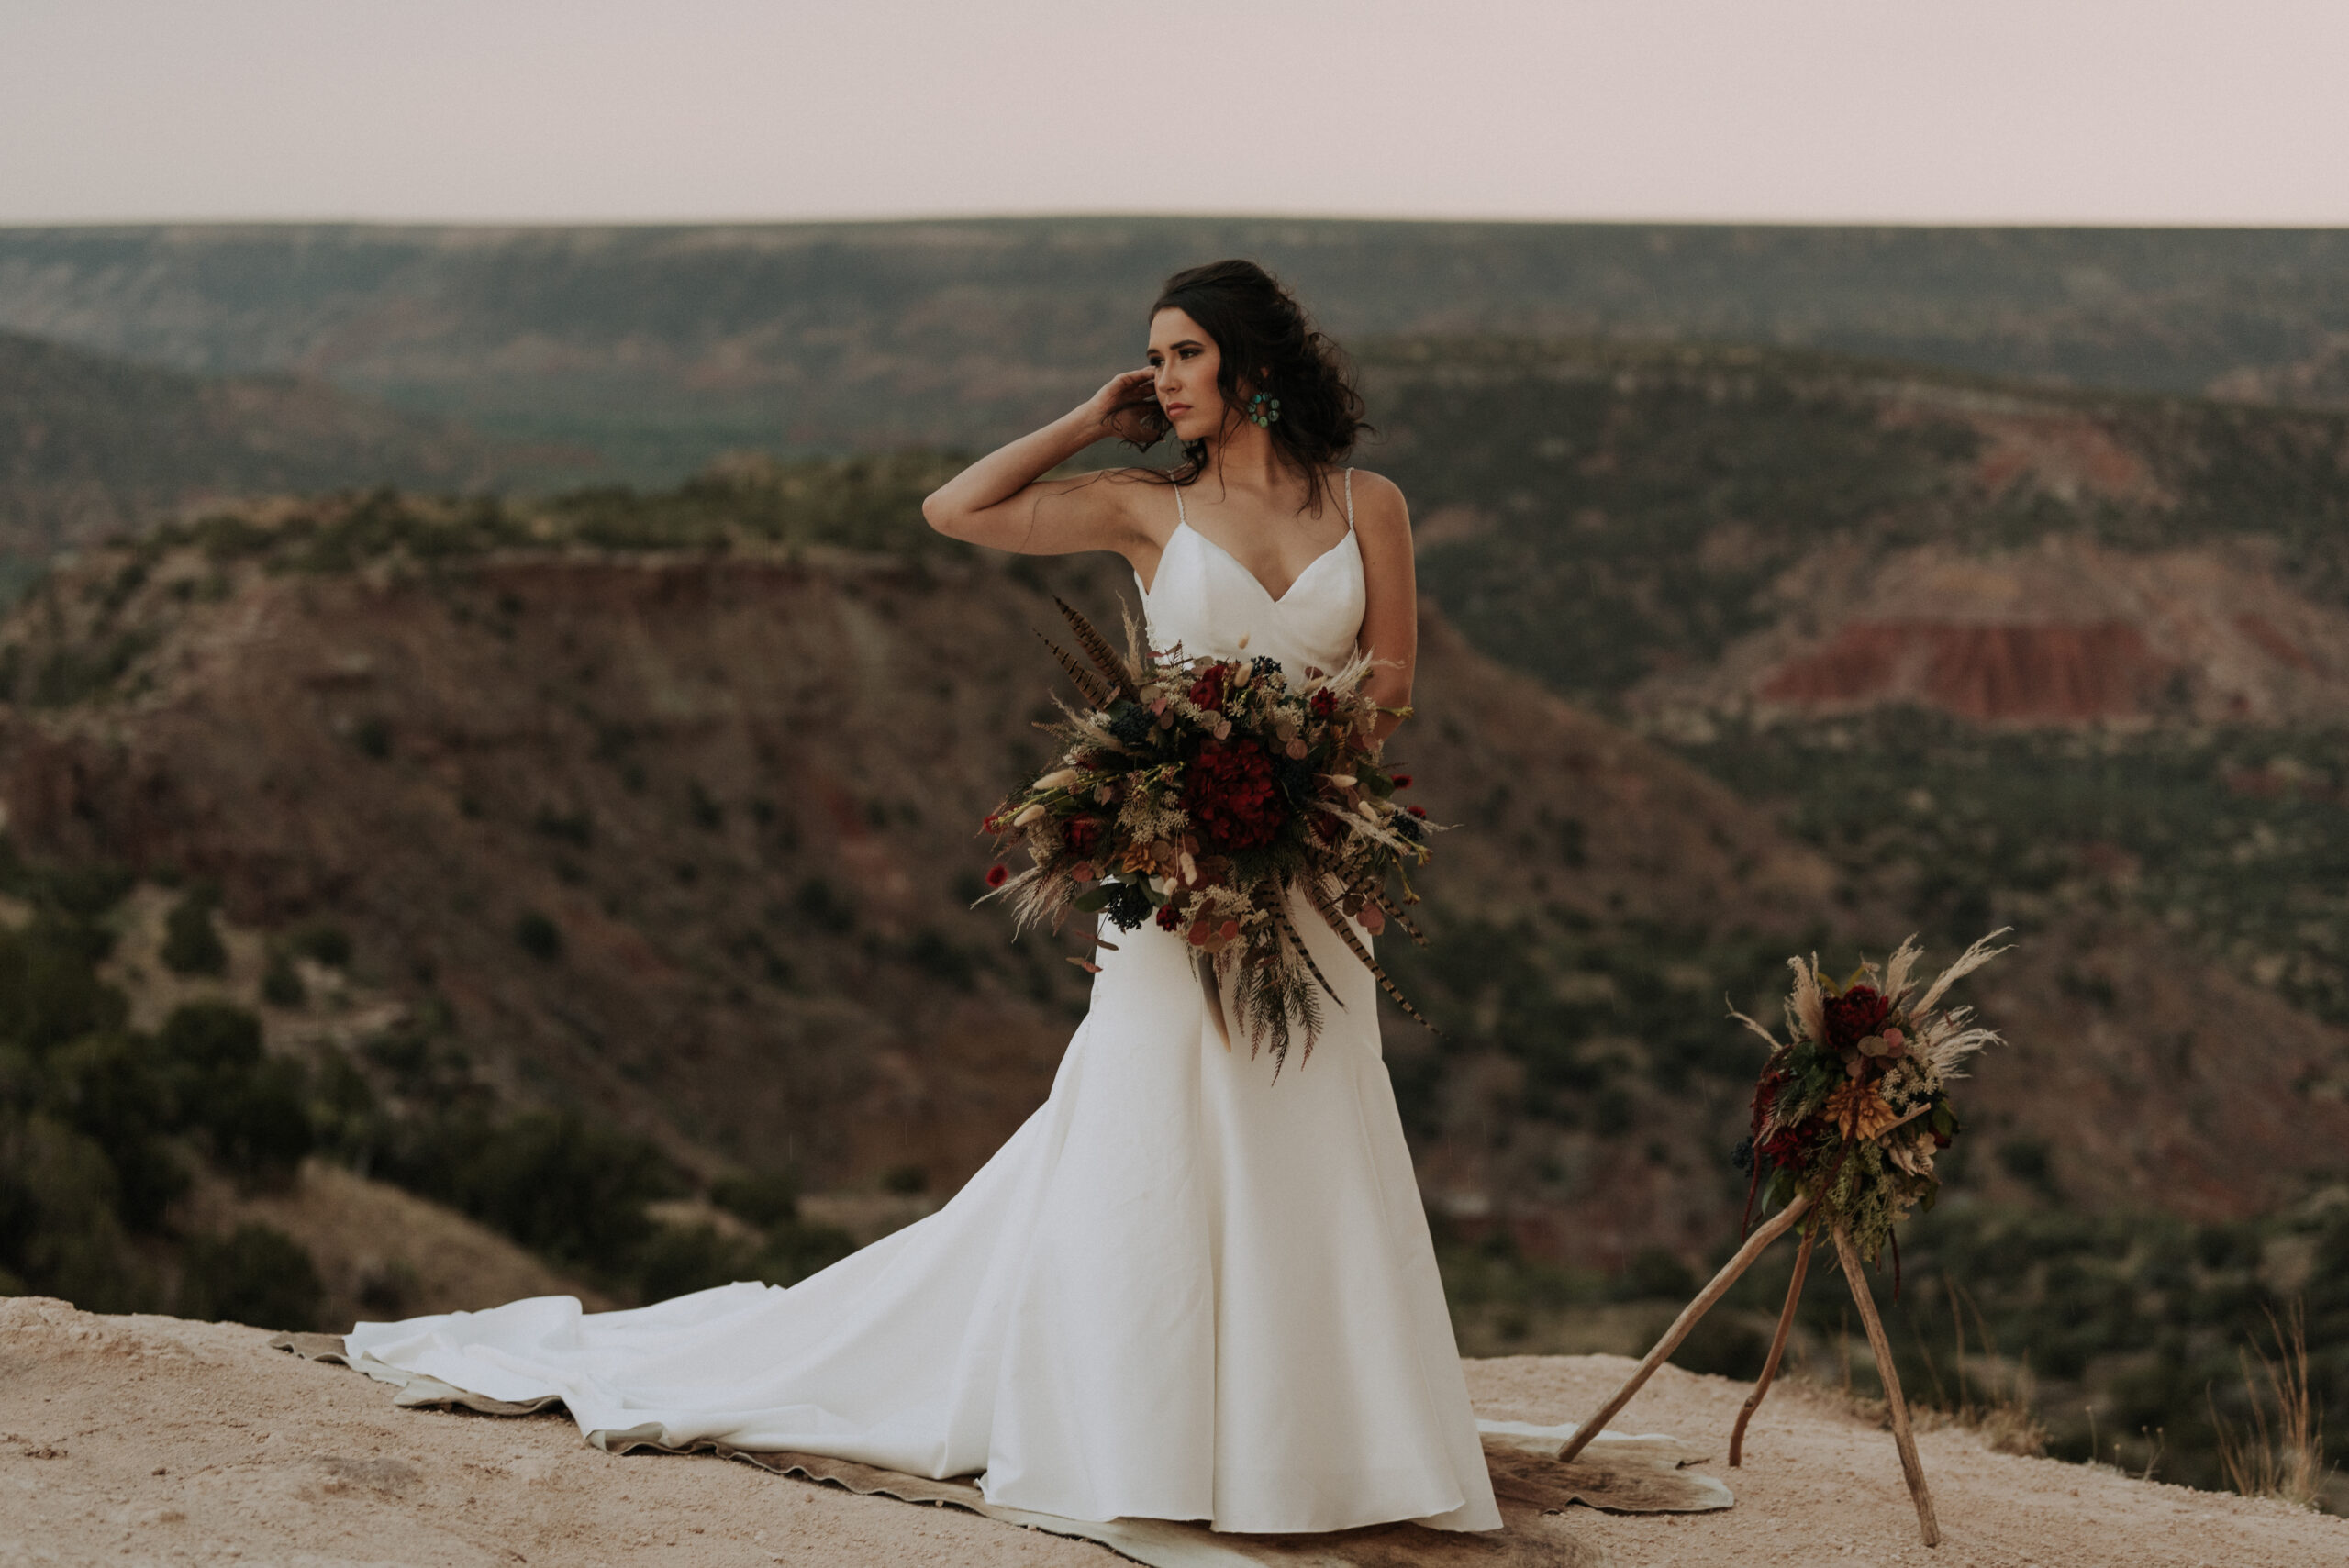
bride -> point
(1182, 1290)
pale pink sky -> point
(2040, 111)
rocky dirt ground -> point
(150, 1440)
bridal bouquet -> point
(1854, 1104)
(1199, 794)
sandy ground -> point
(149, 1440)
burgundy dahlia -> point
(1855, 1015)
(1228, 793)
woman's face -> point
(1186, 360)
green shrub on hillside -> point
(50, 990)
(81, 672)
(558, 1184)
(322, 943)
(192, 944)
(281, 983)
(61, 1231)
(537, 935)
(764, 1200)
(99, 1124)
(862, 503)
(257, 1274)
(112, 1089)
(253, 1109)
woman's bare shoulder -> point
(1379, 503)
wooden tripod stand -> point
(1755, 1245)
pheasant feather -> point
(1097, 647)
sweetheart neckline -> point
(1274, 599)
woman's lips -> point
(1175, 409)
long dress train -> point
(1181, 1290)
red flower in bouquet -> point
(997, 875)
(1228, 793)
(1209, 689)
(1081, 834)
(1855, 1015)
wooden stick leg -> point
(1777, 1226)
(1777, 1349)
(1905, 1440)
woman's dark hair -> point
(1268, 345)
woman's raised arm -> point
(1003, 502)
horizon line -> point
(2213, 226)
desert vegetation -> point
(104, 1127)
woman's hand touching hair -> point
(1127, 408)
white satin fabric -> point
(1181, 1290)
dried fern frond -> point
(1289, 933)
(1271, 1001)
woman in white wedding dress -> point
(1181, 1290)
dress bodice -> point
(1205, 599)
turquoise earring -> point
(1265, 411)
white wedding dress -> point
(1181, 1290)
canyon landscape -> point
(470, 820)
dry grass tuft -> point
(2000, 1411)
(2283, 1457)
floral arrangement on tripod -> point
(1200, 794)
(1853, 1107)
